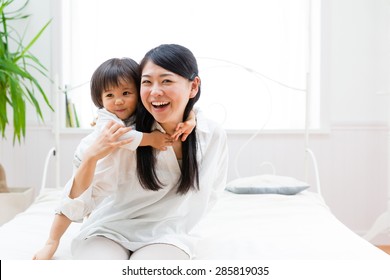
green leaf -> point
(32, 41)
(17, 84)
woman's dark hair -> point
(110, 74)
(181, 61)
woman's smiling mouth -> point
(160, 104)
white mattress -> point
(276, 227)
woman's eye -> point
(166, 81)
(145, 82)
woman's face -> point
(166, 94)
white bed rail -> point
(51, 153)
(316, 172)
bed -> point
(243, 225)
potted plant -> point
(18, 81)
(17, 84)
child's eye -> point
(127, 93)
(109, 95)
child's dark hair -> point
(181, 61)
(112, 73)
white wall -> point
(352, 155)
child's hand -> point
(47, 252)
(160, 140)
(183, 129)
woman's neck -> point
(169, 127)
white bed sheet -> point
(239, 227)
(273, 226)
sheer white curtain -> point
(237, 43)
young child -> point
(115, 88)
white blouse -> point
(135, 217)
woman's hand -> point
(108, 141)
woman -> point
(152, 199)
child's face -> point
(121, 100)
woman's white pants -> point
(102, 248)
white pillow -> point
(266, 184)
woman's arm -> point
(107, 142)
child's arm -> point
(160, 141)
(185, 128)
(157, 140)
(58, 228)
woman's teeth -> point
(159, 104)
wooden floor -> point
(385, 248)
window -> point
(253, 56)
